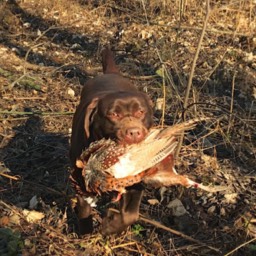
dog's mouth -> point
(131, 135)
(129, 130)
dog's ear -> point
(90, 110)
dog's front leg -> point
(83, 212)
(129, 211)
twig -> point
(43, 187)
(240, 246)
(17, 113)
(159, 225)
(24, 67)
(47, 30)
(27, 53)
(9, 176)
(143, 78)
(232, 94)
(17, 178)
(193, 69)
(12, 208)
(167, 74)
(231, 119)
(209, 30)
(29, 50)
(185, 27)
(214, 69)
(165, 71)
(164, 96)
(16, 81)
(122, 245)
(24, 98)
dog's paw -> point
(113, 224)
(83, 208)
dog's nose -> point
(134, 134)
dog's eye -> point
(114, 115)
(139, 113)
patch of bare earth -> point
(48, 49)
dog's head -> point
(125, 116)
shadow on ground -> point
(41, 162)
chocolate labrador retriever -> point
(110, 107)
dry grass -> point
(48, 49)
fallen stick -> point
(159, 225)
(9, 176)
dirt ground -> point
(48, 49)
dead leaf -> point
(231, 198)
(14, 219)
(211, 209)
(33, 216)
(4, 221)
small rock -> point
(177, 207)
(33, 202)
(27, 25)
(231, 198)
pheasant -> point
(111, 166)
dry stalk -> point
(159, 225)
(185, 105)
(17, 113)
(123, 245)
(165, 73)
(240, 246)
(210, 30)
(143, 78)
(9, 176)
(164, 98)
(182, 7)
(44, 188)
(25, 74)
(23, 98)
(213, 70)
(231, 117)
(17, 80)
(27, 53)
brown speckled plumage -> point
(111, 166)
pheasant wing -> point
(176, 129)
(142, 156)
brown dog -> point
(110, 107)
